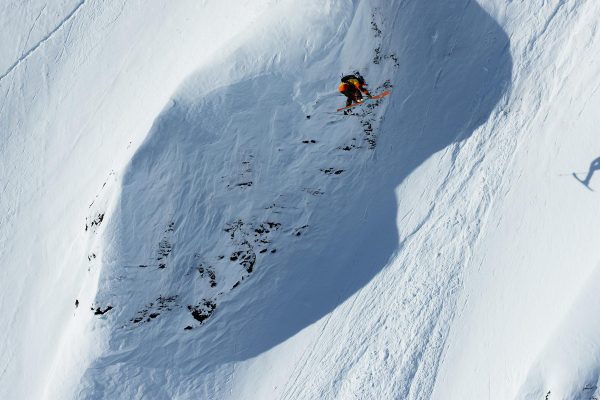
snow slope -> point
(177, 169)
(527, 327)
(77, 97)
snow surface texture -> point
(177, 169)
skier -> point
(353, 87)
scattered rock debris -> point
(246, 257)
(369, 120)
(244, 180)
(374, 27)
(208, 272)
(351, 146)
(100, 311)
(313, 192)
(153, 309)
(203, 310)
(299, 231)
(247, 238)
(165, 246)
(95, 222)
(331, 171)
(233, 227)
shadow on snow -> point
(594, 166)
(453, 72)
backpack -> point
(356, 76)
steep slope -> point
(177, 170)
(527, 328)
(80, 86)
(252, 211)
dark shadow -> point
(453, 72)
(594, 166)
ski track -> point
(434, 313)
(34, 23)
(387, 336)
(46, 38)
(289, 391)
(424, 370)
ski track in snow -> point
(276, 249)
(431, 316)
(45, 39)
(37, 18)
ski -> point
(378, 96)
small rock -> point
(99, 311)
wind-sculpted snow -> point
(280, 210)
(71, 115)
(184, 215)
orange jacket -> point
(352, 83)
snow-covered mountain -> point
(185, 216)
